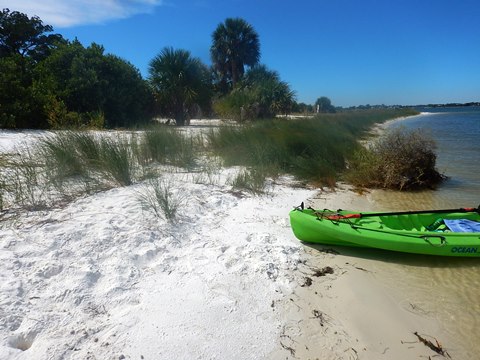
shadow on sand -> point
(398, 257)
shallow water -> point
(445, 288)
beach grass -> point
(117, 160)
(68, 164)
(26, 182)
(167, 145)
(314, 149)
(159, 196)
(252, 180)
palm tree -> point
(235, 45)
(272, 95)
(180, 82)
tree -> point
(23, 44)
(261, 94)
(324, 105)
(25, 36)
(235, 44)
(92, 85)
(20, 105)
(302, 108)
(180, 82)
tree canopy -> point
(261, 94)
(92, 84)
(25, 36)
(324, 105)
(235, 44)
(180, 82)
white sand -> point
(104, 279)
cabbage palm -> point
(180, 82)
(272, 95)
(235, 45)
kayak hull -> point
(402, 233)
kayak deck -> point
(411, 232)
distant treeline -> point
(449, 105)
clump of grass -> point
(251, 180)
(61, 159)
(87, 157)
(117, 161)
(209, 173)
(166, 145)
(27, 183)
(87, 147)
(160, 197)
(400, 159)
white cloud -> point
(66, 13)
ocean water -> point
(445, 288)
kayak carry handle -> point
(299, 207)
(443, 241)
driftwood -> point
(435, 347)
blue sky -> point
(352, 51)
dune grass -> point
(315, 149)
(167, 145)
(159, 196)
(71, 163)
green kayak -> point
(433, 232)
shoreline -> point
(354, 312)
(381, 299)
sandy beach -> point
(104, 278)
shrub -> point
(400, 159)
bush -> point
(400, 159)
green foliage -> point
(235, 44)
(251, 180)
(62, 163)
(25, 36)
(166, 145)
(180, 82)
(23, 43)
(261, 94)
(400, 160)
(302, 108)
(159, 197)
(20, 104)
(58, 116)
(98, 87)
(46, 81)
(83, 156)
(26, 181)
(314, 149)
(117, 161)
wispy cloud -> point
(67, 13)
